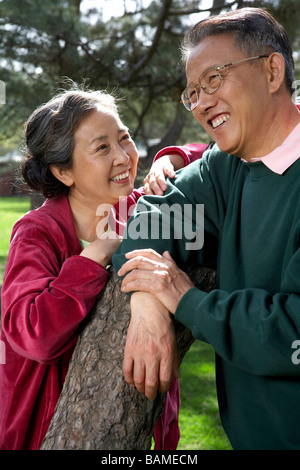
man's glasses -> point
(209, 81)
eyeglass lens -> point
(209, 82)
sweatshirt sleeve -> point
(251, 329)
(184, 221)
(44, 299)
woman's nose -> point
(121, 156)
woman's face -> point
(104, 160)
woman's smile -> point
(121, 177)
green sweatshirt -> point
(252, 319)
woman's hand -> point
(148, 271)
(155, 181)
(102, 249)
(150, 354)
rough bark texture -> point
(97, 409)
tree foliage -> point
(134, 54)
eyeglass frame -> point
(217, 68)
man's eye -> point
(193, 94)
(213, 77)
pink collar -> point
(280, 159)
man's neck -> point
(279, 124)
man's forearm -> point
(150, 356)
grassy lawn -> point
(11, 209)
(199, 418)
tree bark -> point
(97, 409)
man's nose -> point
(205, 102)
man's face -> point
(235, 115)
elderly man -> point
(239, 70)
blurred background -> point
(128, 47)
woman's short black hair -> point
(49, 136)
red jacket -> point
(47, 291)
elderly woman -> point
(79, 155)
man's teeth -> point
(217, 122)
(121, 176)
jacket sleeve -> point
(45, 298)
(190, 152)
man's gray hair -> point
(255, 31)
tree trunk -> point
(97, 409)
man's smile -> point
(218, 120)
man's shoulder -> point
(214, 161)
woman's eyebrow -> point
(103, 137)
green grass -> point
(11, 209)
(199, 420)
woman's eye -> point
(101, 147)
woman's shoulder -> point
(52, 221)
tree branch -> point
(155, 43)
(202, 10)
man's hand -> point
(148, 271)
(150, 355)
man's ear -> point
(62, 174)
(275, 66)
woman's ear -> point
(64, 175)
(276, 71)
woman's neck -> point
(85, 219)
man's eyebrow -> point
(103, 137)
